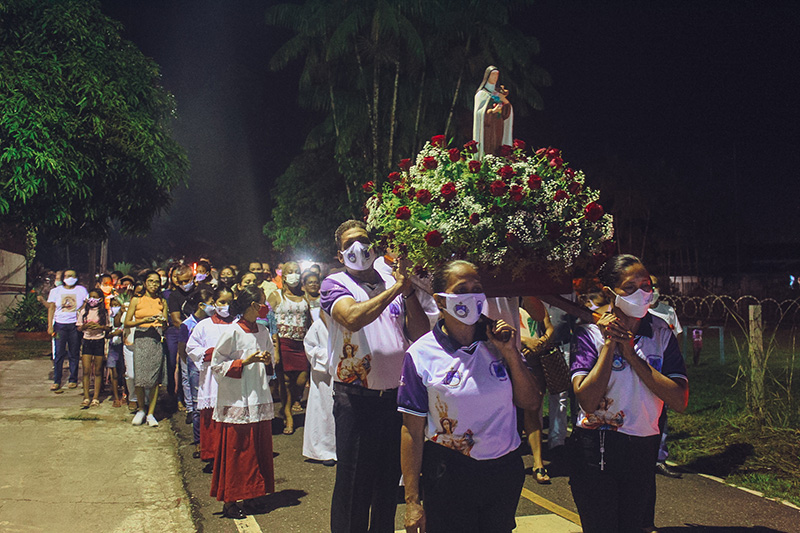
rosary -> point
(602, 449)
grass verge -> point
(716, 435)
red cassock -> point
(243, 467)
(209, 435)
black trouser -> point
(615, 498)
(465, 495)
(368, 461)
(649, 517)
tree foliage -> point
(84, 122)
(389, 74)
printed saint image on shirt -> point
(604, 417)
(69, 302)
(352, 369)
(445, 435)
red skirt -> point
(293, 355)
(209, 434)
(243, 466)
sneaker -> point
(72, 385)
(664, 470)
(151, 421)
(138, 418)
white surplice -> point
(319, 433)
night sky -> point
(707, 88)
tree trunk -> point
(392, 118)
(104, 255)
(756, 397)
(372, 118)
(419, 112)
(644, 235)
(458, 86)
(376, 84)
(333, 107)
(92, 263)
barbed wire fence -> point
(759, 321)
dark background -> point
(690, 104)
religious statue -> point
(493, 119)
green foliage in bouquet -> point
(28, 315)
(515, 211)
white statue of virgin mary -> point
(493, 120)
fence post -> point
(755, 392)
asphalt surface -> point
(67, 469)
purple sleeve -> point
(412, 396)
(584, 351)
(673, 364)
(183, 333)
(329, 292)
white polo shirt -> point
(464, 392)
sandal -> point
(288, 430)
(297, 408)
(542, 477)
(85, 403)
(116, 403)
(95, 403)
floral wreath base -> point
(513, 214)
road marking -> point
(247, 525)
(550, 506)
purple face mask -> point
(93, 302)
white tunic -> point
(245, 399)
(319, 433)
(204, 337)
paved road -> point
(64, 469)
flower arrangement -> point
(513, 211)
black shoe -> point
(233, 511)
(188, 418)
(664, 470)
(329, 462)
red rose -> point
(393, 177)
(569, 173)
(505, 151)
(541, 151)
(534, 182)
(574, 187)
(411, 193)
(593, 212)
(430, 162)
(368, 187)
(398, 190)
(474, 166)
(556, 162)
(516, 193)
(471, 147)
(434, 239)
(519, 144)
(560, 195)
(448, 191)
(506, 172)
(424, 196)
(404, 164)
(552, 152)
(454, 154)
(474, 218)
(495, 209)
(438, 141)
(498, 188)
(403, 213)
(511, 239)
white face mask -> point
(223, 310)
(115, 310)
(358, 256)
(292, 279)
(466, 308)
(593, 306)
(209, 309)
(200, 277)
(635, 305)
(656, 294)
(163, 281)
(187, 287)
(69, 282)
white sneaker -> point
(138, 418)
(151, 421)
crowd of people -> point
(430, 380)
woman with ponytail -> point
(242, 363)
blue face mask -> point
(209, 309)
(200, 277)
